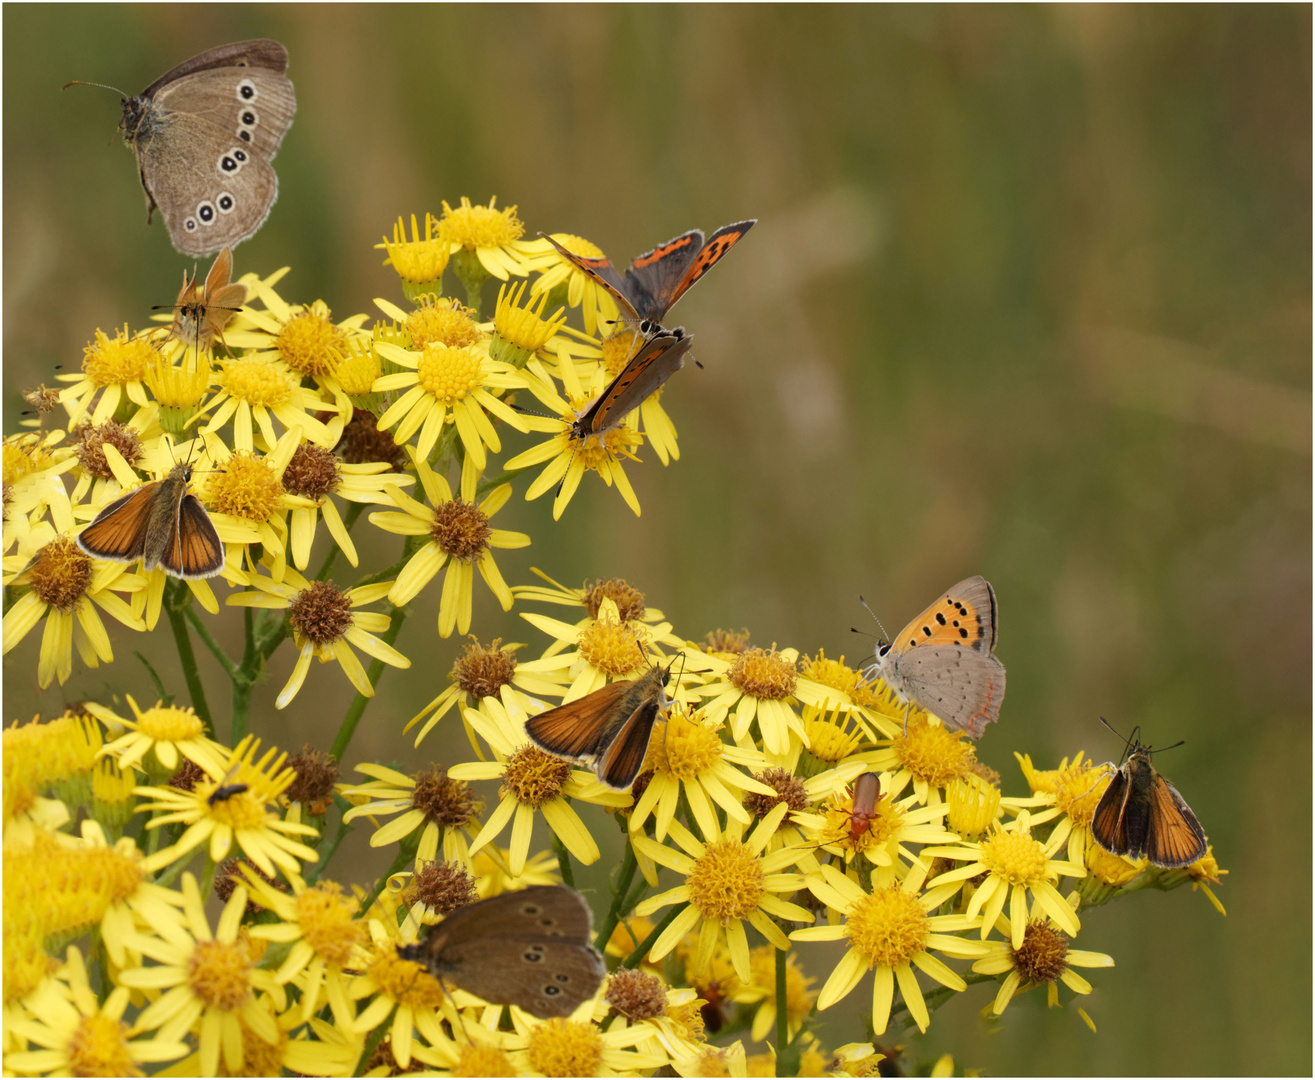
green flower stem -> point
(209, 641)
(502, 478)
(563, 861)
(176, 599)
(343, 829)
(472, 274)
(634, 959)
(392, 571)
(782, 1029)
(397, 615)
(623, 881)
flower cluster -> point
(743, 839)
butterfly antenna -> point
(1162, 749)
(884, 636)
(575, 449)
(103, 86)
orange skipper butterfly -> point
(200, 315)
(1141, 813)
(608, 729)
(161, 524)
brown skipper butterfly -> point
(1141, 813)
(608, 729)
(161, 524)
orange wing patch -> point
(662, 251)
(1175, 836)
(574, 730)
(965, 615)
(119, 531)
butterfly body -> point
(943, 661)
(530, 948)
(1141, 813)
(608, 729)
(658, 357)
(225, 792)
(161, 524)
(655, 280)
(204, 134)
(200, 315)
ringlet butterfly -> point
(1141, 813)
(530, 948)
(204, 134)
(160, 523)
(608, 729)
(943, 660)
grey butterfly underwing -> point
(204, 134)
(529, 948)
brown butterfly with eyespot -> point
(1141, 813)
(161, 524)
(200, 315)
(531, 948)
(608, 729)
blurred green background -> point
(1030, 297)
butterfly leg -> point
(450, 999)
(907, 706)
(1102, 776)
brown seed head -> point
(60, 575)
(789, 790)
(321, 614)
(629, 600)
(443, 800)
(442, 887)
(481, 672)
(362, 442)
(636, 995)
(317, 772)
(90, 449)
(1042, 958)
(312, 473)
(460, 529)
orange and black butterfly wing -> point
(119, 531)
(1174, 837)
(966, 614)
(717, 245)
(578, 729)
(1107, 822)
(659, 358)
(654, 277)
(194, 550)
(624, 756)
(603, 272)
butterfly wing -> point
(579, 729)
(961, 686)
(543, 976)
(119, 531)
(624, 755)
(657, 360)
(1107, 824)
(601, 271)
(654, 277)
(258, 53)
(965, 614)
(528, 948)
(1174, 837)
(669, 288)
(194, 550)
(204, 151)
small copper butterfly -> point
(660, 356)
(943, 661)
(655, 280)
